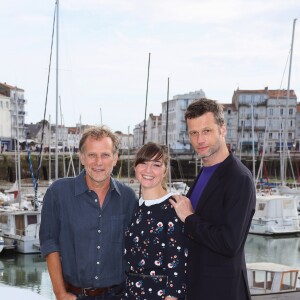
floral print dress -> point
(155, 250)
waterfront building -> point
(297, 131)
(231, 120)
(265, 117)
(260, 117)
(34, 133)
(5, 124)
(138, 134)
(17, 114)
(153, 131)
(125, 140)
(174, 110)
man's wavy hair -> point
(99, 133)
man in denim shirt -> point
(83, 224)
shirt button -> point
(98, 262)
(100, 216)
(99, 231)
(96, 277)
(96, 200)
(98, 247)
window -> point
(262, 279)
(290, 111)
(271, 111)
(32, 219)
(288, 280)
(3, 219)
(270, 135)
(281, 111)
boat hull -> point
(25, 245)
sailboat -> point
(19, 226)
(277, 214)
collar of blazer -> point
(213, 181)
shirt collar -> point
(154, 201)
(81, 186)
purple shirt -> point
(201, 183)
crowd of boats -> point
(277, 213)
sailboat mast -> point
(49, 140)
(18, 147)
(144, 133)
(285, 147)
(57, 60)
(167, 123)
(253, 145)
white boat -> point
(19, 229)
(178, 187)
(275, 215)
(272, 281)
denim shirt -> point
(90, 239)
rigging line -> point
(167, 117)
(285, 67)
(144, 133)
(45, 108)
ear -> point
(223, 130)
(81, 157)
(115, 159)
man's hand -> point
(65, 296)
(182, 206)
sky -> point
(104, 45)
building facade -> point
(14, 120)
(266, 118)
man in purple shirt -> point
(218, 218)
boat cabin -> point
(268, 278)
(20, 223)
(275, 214)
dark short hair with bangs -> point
(202, 106)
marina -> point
(30, 271)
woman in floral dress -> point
(155, 245)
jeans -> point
(116, 293)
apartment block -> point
(12, 108)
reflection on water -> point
(282, 250)
(30, 271)
(27, 271)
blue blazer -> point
(217, 233)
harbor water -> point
(30, 271)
